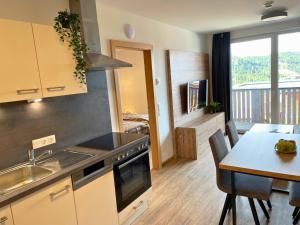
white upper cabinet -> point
(34, 63)
(19, 72)
(56, 63)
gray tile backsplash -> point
(72, 119)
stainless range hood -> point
(90, 29)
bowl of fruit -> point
(286, 146)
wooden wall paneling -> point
(183, 67)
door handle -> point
(53, 195)
(58, 88)
(27, 91)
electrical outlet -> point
(44, 141)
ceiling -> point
(204, 15)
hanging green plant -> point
(67, 25)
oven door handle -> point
(133, 159)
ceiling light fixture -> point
(274, 15)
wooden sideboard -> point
(192, 135)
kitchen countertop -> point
(98, 155)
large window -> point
(289, 77)
(251, 79)
(266, 79)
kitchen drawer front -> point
(6, 216)
(128, 215)
(49, 206)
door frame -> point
(151, 96)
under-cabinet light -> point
(34, 100)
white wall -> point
(162, 37)
(133, 82)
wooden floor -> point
(185, 193)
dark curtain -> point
(221, 71)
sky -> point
(262, 47)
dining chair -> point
(232, 133)
(295, 200)
(233, 137)
(250, 186)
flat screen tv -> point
(197, 95)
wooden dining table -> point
(255, 154)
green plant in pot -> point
(214, 107)
(67, 25)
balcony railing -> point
(254, 105)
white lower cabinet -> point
(96, 202)
(6, 216)
(53, 205)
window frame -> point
(274, 65)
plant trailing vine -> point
(67, 25)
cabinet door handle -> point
(3, 219)
(138, 205)
(27, 91)
(58, 88)
(53, 195)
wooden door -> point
(53, 205)
(56, 63)
(96, 202)
(6, 216)
(19, 72)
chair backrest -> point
(219, 150)
(232, 133)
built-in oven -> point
(132, 174)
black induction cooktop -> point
(111, 141)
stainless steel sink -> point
(21, 176)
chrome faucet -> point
(33, 159)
